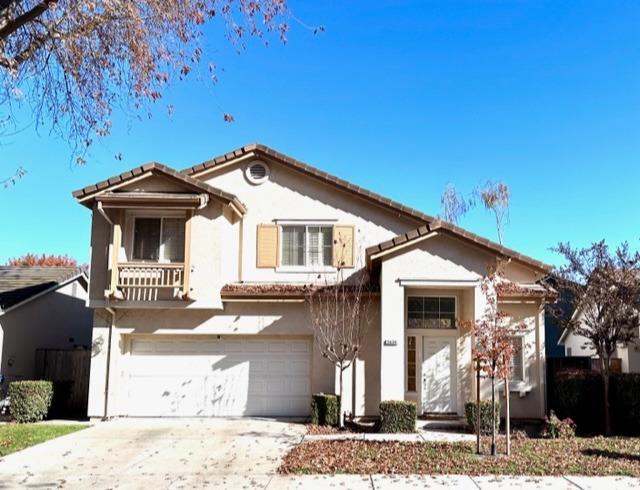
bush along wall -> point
(325, 409)
(398, 416)
(579, 395)
(485, 416)
(29, 401)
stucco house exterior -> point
(578, 346)
(198, 282)
(40, 308)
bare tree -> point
(453, 204)
(494, 196)
(603, 289)
(340, 316)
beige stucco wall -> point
(56, 320)
(446, 266)
(290, 195)
(264, 319)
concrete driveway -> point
(156, 453)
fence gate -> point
(69, 372)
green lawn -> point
(14, 437)
(579, 456)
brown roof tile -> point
(154, 167)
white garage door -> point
(211, 377)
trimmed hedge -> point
(29, 401)
(579, 396)
(485, 416)
(325, 409)
(398, 416)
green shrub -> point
(397, 416)
(554, 428)
(485, 416)
(29, 401)
(325, 409)
(625, 403)
(579, 395)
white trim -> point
(309, 269)
(451, 283)
(46, 291)
(433, 295)
(253, 180)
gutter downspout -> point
(108, 369)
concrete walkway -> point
(420, 436)
(462, 482)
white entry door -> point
(208, 376)
(438, 375)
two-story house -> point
(198, 282)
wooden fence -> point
(69, 372)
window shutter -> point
(343, 245)
(267, 246)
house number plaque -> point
(391, 342)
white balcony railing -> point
(143, 281)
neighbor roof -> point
(17, 284)
(445, 227)
(85, 194)
(271, 154)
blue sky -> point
(400, 97)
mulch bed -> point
(578, 456)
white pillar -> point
(392, 338)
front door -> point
(438, 375)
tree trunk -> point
(478, 421)
(493, 416)
(605, 364)
(507, 415)
(341, 401)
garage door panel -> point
(219, 377)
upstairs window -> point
(431, 312)
(307, 245)
(158, 239)
(517, 360)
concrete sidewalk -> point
(463, 482)
(419, 436)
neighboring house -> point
(578, 346)
(40, 308)
(198, 283)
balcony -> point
(140, 281)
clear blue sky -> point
(400, 97)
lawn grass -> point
(578, 456)
(15, 437)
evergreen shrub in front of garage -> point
(325, 408)
(29, 401)
(397, 416)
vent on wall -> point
(257, 172)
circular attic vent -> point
(257, 172)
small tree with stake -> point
(493, 350)
(340, 316)
(603, 288)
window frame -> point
(161, 255)
(438, 296)
(306, 267)
(415, 364)
(523, 370)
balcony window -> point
(307, 246)
(431, 312)
(158, 239)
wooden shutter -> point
(343, 245)
(267, 246)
